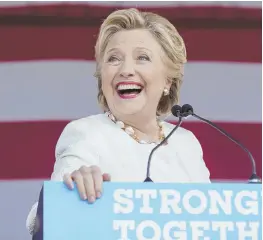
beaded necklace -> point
(129, 130)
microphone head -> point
(176, 110)
(187, 109)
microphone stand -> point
(254, 178)
(148, 179)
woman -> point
(140, 58)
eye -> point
(113, 59)
(143, 58)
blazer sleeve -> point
(73, 150)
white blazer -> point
(96, 140)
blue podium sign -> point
(144, 211)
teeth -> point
(128, 86)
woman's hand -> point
(89, 182)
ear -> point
(168, 83)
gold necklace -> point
(129, 130)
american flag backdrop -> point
(46, 74)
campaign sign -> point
(153, 211)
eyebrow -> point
(143, 48)
(137, 48)
(111, 50)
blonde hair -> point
(166, 35)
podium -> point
(156, 211)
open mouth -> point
(129, 90)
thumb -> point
(106, 177)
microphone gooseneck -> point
(176, 111)
(187, 110)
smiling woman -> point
(140, 58)
(136, 62)
(146, 48)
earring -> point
(165, 92)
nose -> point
(127, 69)
(126, 74)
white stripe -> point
(46, 90)
(244, 4)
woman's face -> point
(133, 73)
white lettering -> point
(198, 194)
(252, 233)
(148, 224)
(251, 206)
(123, 226)
(146, 195)
(217, 199)
(170, 199)
(179, 235)
(197, 232)
(123, 203)
(223, 227)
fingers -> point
(106, 177)
(89, 182)
(67, 179)
(97, 179)
(79, 180)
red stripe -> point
(27, 149)
(20, 43)
(95, 12)
(224, 158)
(66, 31)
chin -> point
(128, 108)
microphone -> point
(176, 111)
(187, 110)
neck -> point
(144, 126)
